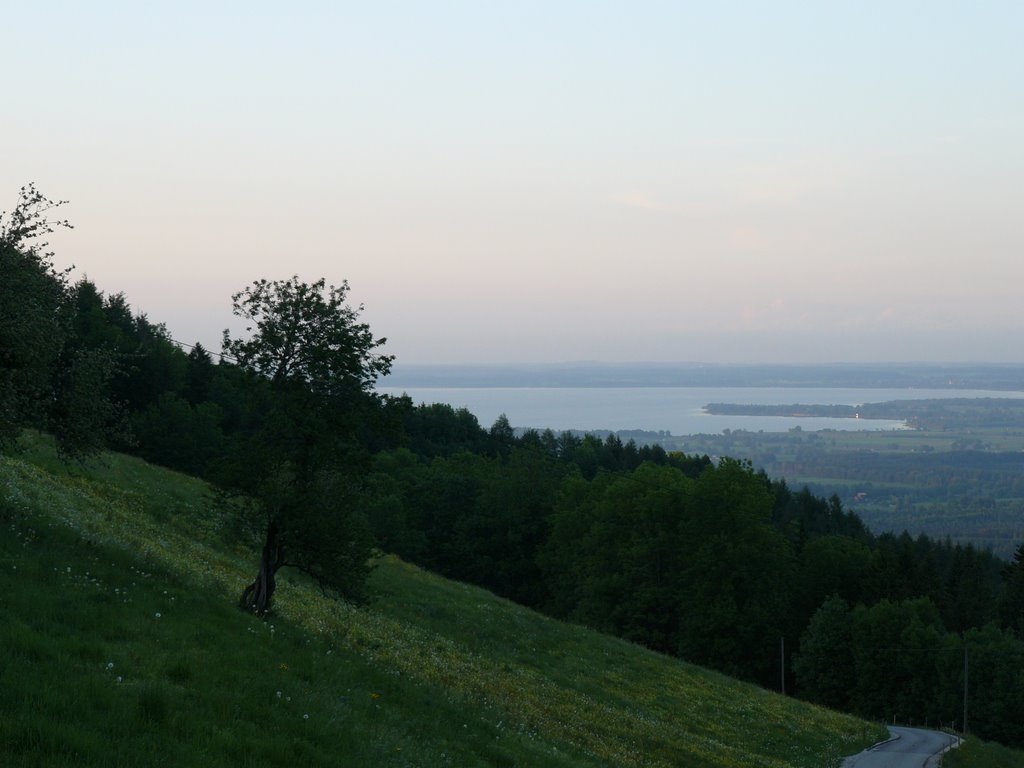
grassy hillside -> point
(120, 646)
(982, 754)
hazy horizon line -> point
(704, 364)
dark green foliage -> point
(958, 478)
(46, 379)
(735, 593)
(996, 684)
(502, 435)
(824, 667)
(894, 660)
(440, 496)
(199, 375)
(154, 365)
(802, 515)
(498, 540)
(690, 566)
(297, 457)
(830, 565)
(901, 660)
(148, 363)
(82, 416)
(895, 649)
(304, 334)
(968, 594)
(1013, 598)
(174, 433)
(91, 326)
(438, 429)
(389, 489)
(31, 338)
(326, 532)
(614, 555)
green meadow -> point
(121, 645)
(983, 754)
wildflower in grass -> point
(110, 665)
(279, 694)
(374, 695)
(305, 717)
(158, 614)
(284, 667)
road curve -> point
(909, 748)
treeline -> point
(49, 378)
(965, 492)
(717, 564)
(937, 475)
(707, 560)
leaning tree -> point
(297, 464)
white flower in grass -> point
(305, 717)
(158, 614)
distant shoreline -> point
(952, 377)
(797, 410)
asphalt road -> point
(912, 749)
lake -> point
(675, 409)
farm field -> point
(955, 474)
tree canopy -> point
(47, 379)
(297, 461)
(304, 334)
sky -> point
(543, 181)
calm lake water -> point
(675, 409)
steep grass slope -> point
(983, 754)
(120, 646)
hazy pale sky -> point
(544, 181)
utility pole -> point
(783, 648)
(965, 685)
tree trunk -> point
(257, 596)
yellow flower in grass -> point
(283, 667)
